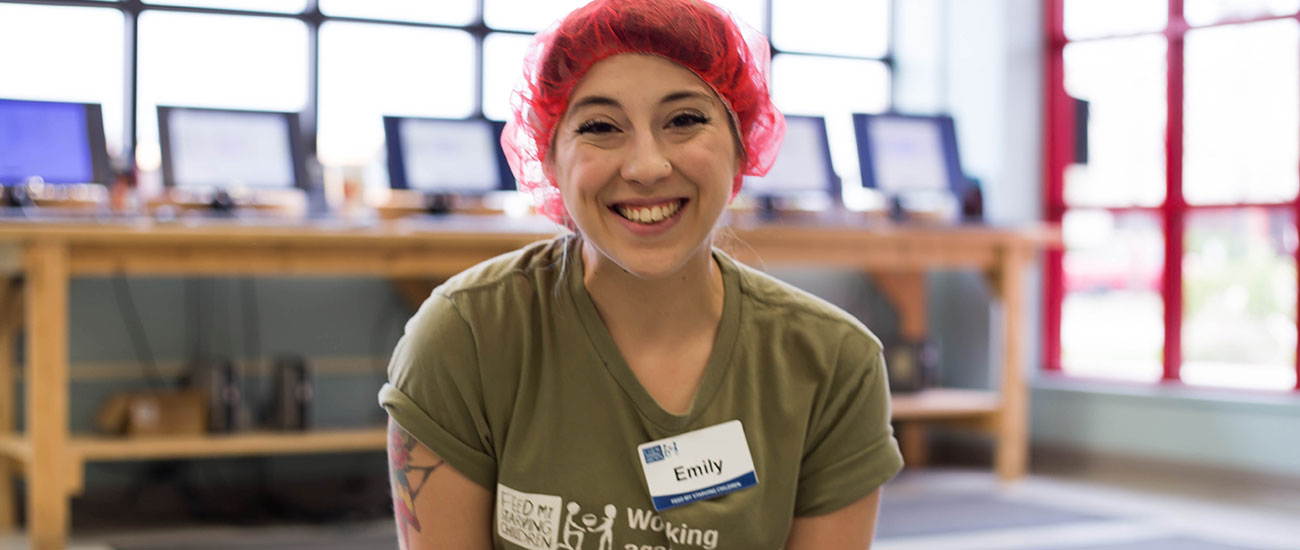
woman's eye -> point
(686, 120)
(596, 127)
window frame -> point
(1060, 131)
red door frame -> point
(1059, 125)
(1059, 131)
(1175, 206)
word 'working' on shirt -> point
(677, 533)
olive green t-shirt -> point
(508, 373)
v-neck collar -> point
(719, 358)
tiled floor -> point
(926, 510)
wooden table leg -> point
(47, 394)
(10, 319)
(1011, 456)
(914, 442)
(905, 291)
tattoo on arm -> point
(402, 471)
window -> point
(1207, 12)
(1123, 84)
(446, 12)
(859, 28)
(1113, 267)
(81, 59)
(356, 56)
(1173, 146)
(526, 15)
(832, 60)
(503, 67)
(1240, 113)
(1239, 298)
(861, 86)
(343, 64)
(1094, 18)
(190, 60)
(274, 6)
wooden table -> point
(45, 254)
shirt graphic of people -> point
(576, 527)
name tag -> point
(698, 465)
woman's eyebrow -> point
(683, 95)
(594, 100)
(600, 100)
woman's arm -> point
(436, 507)
(849, 528)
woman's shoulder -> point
(459, 329)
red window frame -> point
(1059, 131)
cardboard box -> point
(153, 413)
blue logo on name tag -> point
(665, 502)
(659, 452)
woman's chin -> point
(648, 262)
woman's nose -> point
(645, 162)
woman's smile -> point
(649, 214)
(649, 219)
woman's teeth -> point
(649, 214)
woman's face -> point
(645, 158)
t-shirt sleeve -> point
(851, 450)
(435, 390)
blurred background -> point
(1162, 137)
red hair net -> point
(731, 57)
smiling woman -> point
(645, 161)
(630, 368)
